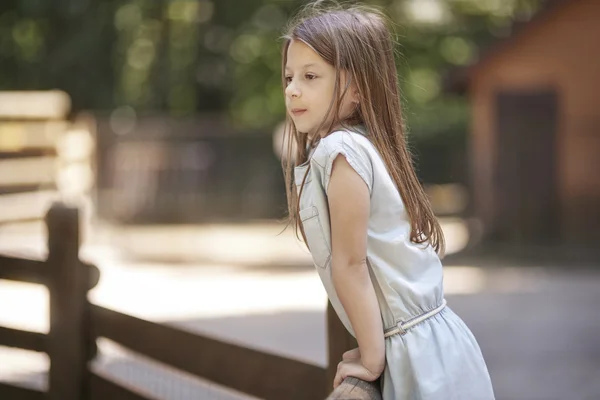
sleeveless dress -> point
(430, 353)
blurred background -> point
(162, 120)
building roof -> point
(457, 79)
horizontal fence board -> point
(23, 135)
(31, 170)
(22, 269)
(30, 104)
(249, 371)
(10, 392)
(104, 389)
(33, 271)
(26, 188)
(27, 340)
(26, 206)
(27, 153)
(20, 221)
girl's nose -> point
(292, 91)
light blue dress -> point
(436, 359)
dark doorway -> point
(526, 166)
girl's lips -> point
(298, 111)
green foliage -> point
(190, 56)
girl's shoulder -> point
(353, 145)
(343, 141)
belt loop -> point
(401, 329)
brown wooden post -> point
(68, 282)
(356, 389)
(338, 342)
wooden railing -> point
(75, 323)
(69, 343)
(353, 388)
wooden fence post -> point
(338, 342)
(68, 283)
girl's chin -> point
(305, 132)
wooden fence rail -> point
(264, 375)
(33, 341)
(10, 392)
(37, 271)
(22, 270)
(75, 324)
(354, 388)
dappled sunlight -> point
(472, 280)
(456, 233)
(248, 244)
(211, 271)
(463, 280)
(24, 366)
(209, 291)
(221, 270)
(25, 306)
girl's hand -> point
(353, 354)
(355, 368)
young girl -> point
(354, 196)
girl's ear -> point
(354, 92)
(355, 97)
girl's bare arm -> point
(349, 203)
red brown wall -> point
(561, 49)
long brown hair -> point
(357, 39)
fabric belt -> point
(402, 327)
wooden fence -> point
(75, 323)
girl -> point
(354, 196)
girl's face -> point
(310, 83)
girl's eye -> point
(310, 77)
